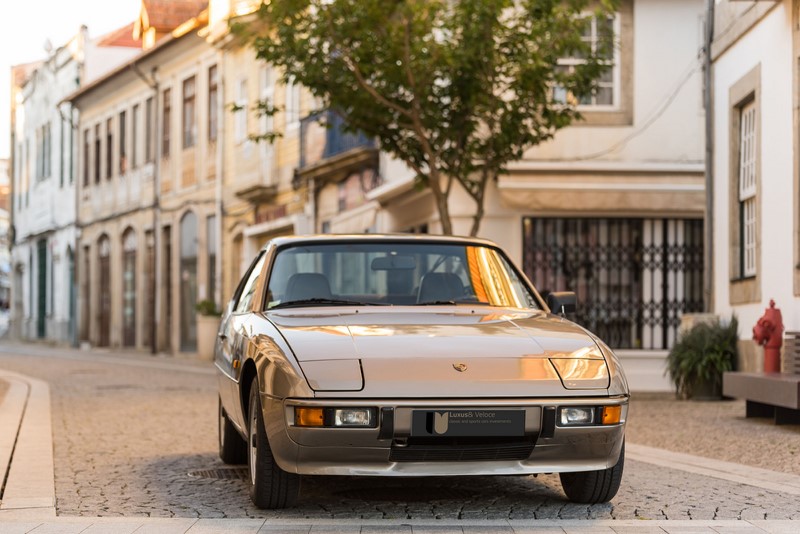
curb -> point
(26, 449)
(732, 472)
(261, 526)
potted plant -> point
(207, 326)
(697, 360)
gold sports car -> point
(411, 356)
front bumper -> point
(374, 451)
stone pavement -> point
(134, 437)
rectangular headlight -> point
(352, 417)
(335, 417)
(575, 415)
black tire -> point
(270, 486)
(590, 487)
(232, 447)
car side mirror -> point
(562, 302)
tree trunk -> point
(440, 198)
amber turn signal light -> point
(308, 417)
(611, 414)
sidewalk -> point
(247, 526)
(27, 494)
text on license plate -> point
(468, 422)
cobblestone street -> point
(136, 436)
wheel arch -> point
(246, 380)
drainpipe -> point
(218, 281)
(708, 102)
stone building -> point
(755, 165)
(146, 194)
(43, 162)
(261, 195)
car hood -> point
(452, 352)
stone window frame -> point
(747, 90)
(621, 115)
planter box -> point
(207, 326)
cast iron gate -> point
(634, 278)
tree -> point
(454, 88)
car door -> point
(233, 336)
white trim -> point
(587, 186)
(289, 221)
(604, 166)
(390, 190)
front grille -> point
(461, 451)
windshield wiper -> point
(452, 302)
(323, 302)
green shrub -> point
(701, 355)
(207, 307)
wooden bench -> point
(775, 395)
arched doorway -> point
(188, 282)
(104, 307)
(129, 288)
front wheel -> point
(270, 486)
(590, 487)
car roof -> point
(373, 238)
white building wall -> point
(768, 44)
(667, 38)
(44, 206)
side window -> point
(249, 287)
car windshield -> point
(394, 273)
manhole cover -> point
(223, 473)
(407, 494)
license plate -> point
(467, 423)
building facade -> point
(43, 175)
(756, 211)
(146, 196)
(611, 208)
(261, 194)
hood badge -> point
(460, 367)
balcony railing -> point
(322, 136)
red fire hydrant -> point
(768, 331)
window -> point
(43, 152)
(48, 150)
(135, 137)
(634, 278)
(166, 97)
(123, 161)
(249, 288)
(599, 34)
(267, 93)
(148, 130)
(109, 148)
(292, 105)
(97, 153)
(188, 112)
(743, 189)
(240, 117)
(61, 165)
(86, 162)
(38, 165)
(747, 189)
(129, 288)
(213, 96)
